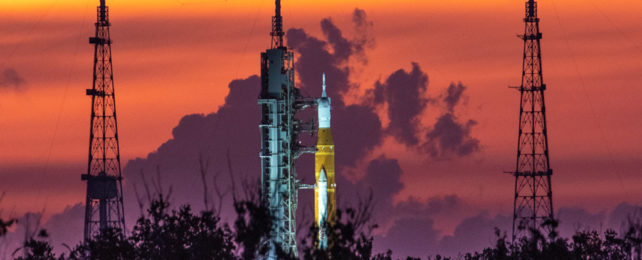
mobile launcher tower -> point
(280, 101)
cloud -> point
(454, 94)
(404, 93)
(450, 135)
(363, 38)
(232, 131)
(449, 204)
(26, 227)
(66, 227)
(342, 47)
(574, 219)
(620, 217)
(383, 179)
(474, 234)
(330, 55)
(10, 79)
(415, 237)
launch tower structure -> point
(104, 205)
(533, 202)
(280, 100)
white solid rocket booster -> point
(322, 186)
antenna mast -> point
(533, 193)
(277, 27)
(104, 205)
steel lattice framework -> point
(280, 100)
(104, 206)
(533, 194)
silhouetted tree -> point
(163, 233)
(37, 248)
(4, 226)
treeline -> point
(165, 233)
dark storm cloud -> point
(11, 79)
(404, 92)
(450, 135)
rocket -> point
(324, 188)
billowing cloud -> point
(342, 47)
(416, 237)
(454, 93)
(623, 214)
(474, 234)
(208, 141)
(330, 56)
(66, 228)
(573, 219)
(405, 94)
(450, 135)
(449, 204)
(383, 179)
(363, 38)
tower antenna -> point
(277, 26)
(533, 203)
(104, 204)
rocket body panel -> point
(324, 191)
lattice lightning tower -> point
(104, 206)
(533, 194)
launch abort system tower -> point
(533, 202)
(280, 101)
(104, 206)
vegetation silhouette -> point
(164, 233)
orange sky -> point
(175, 57)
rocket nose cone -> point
(323, 177)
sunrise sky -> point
(176, 57)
